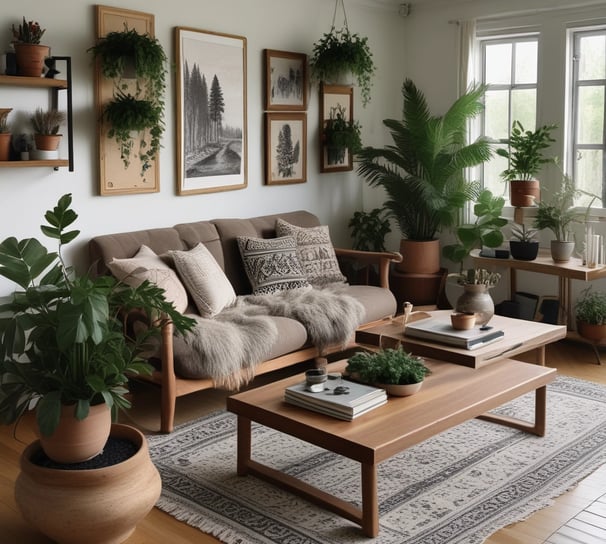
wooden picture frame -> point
(114, 177)
(285, 148)
(211, 145)
(331, 97)
(285, 80)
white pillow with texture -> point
(204, 279)
(146, 265)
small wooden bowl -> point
(462, 321)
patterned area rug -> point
(458, 487)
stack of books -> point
(349, 401)
(439, 329)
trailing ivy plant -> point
(139, 109)
(127, 114)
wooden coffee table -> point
(451, 395)
(521, 336)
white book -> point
(356, 398)
(440, 329)
(357, 411)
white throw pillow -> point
(316, 252)
(146, 265)
(204, 279)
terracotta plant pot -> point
(73, 440)
(524, 193)
(419, 257)
(594, 333)
(30, 58)
(462, 321)
(96, 506)
(47, 142)
(5, 146)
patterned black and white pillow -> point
(271, 264)
(315, 251)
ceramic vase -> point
(96, 506)
(561, 251)
(477, 300)
(397, 390)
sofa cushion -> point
(204, 279)
(271, 265)
(378, 302)
(315, 251)
(146, 265)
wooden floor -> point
(578, 516)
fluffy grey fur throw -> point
(228, 347)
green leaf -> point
(48, 412)
(82, 409)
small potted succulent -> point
(398, 372)
(523, 245)
(591, 315)
(525, 157)
(29, 53)
(46, 125)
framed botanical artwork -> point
(336, 104)
(211, 111)
(285, 148)
(285, 81)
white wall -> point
(290, 25)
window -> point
(509, 68)
(587, 140)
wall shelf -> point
(54, 86)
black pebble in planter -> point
(524, 251)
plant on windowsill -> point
(525, 155)
(387, 368)
(63, 347)
(137, 65)
(341, 52)
(422, 172)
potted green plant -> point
(423, 172)
(137, 65)
(46, 125)
(400, 373)
(30, 54)
(340, 52)
(368, 229)
(523, 245)
(590, 315)
(5, 134)
(63, 347)
(525, 156)
(340, 135)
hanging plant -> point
(126, 115)
(134, 108)
(341, 51)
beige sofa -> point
(219, 236)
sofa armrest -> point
(382, 258)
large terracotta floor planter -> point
(419, 257)
(96, 506)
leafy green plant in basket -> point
(387, 366)
(62, 335)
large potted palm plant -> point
(423, 171)
(63, 347)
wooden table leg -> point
(370, 501)
(243, 445)
(540, 355)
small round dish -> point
(462, 321)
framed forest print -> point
(336, 102)
(285, 81)
(211, 111)
(285, 148)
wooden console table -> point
(544, 264)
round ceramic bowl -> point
(462, 321)
(315, 376)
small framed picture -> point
(336, 104)
(285, 148)
(285, 81)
